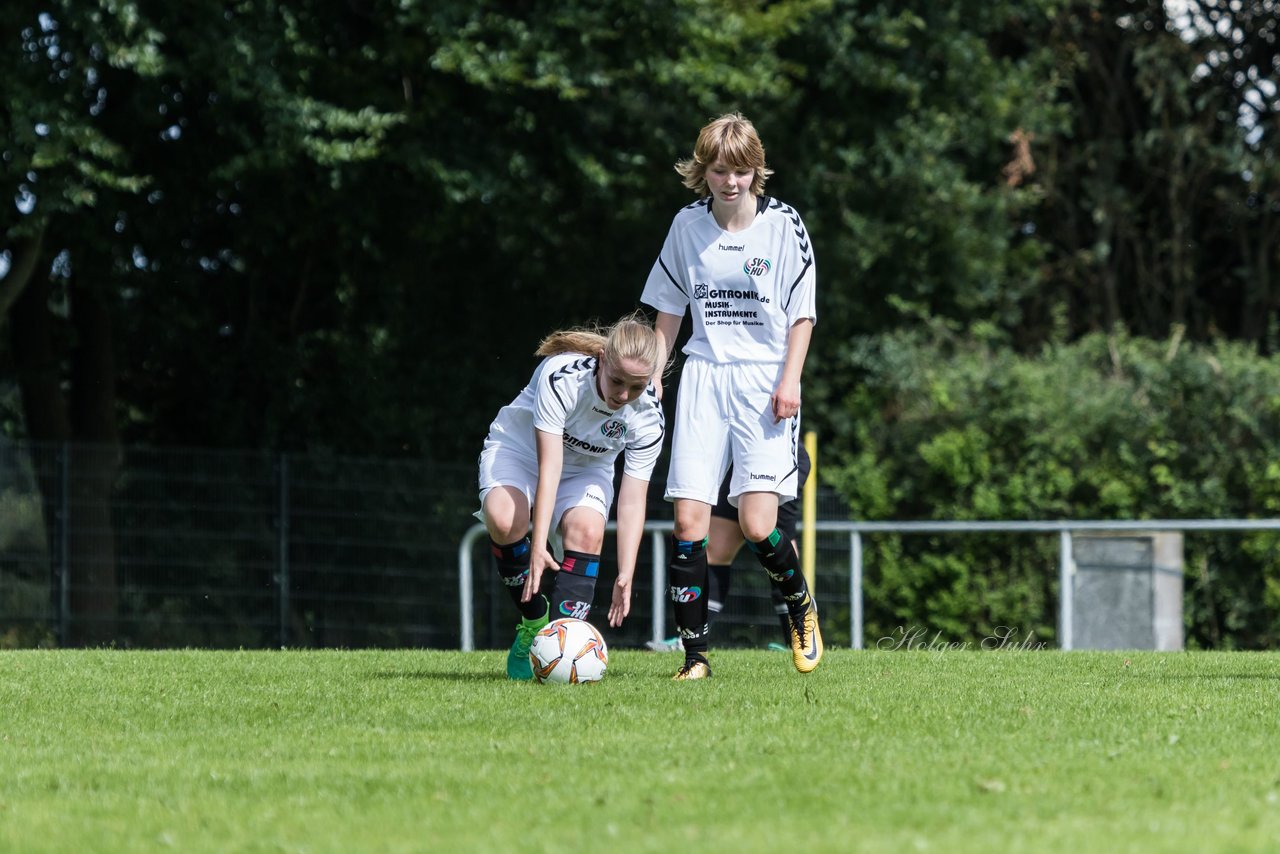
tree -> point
(99, 106)
(1161, 200)
(905, 149)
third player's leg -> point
(723, 543)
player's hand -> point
(621, 605)
(539, 560)
(785, 401)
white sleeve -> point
(554, 397)
(642, 452)
(666, 288)
(798, 292)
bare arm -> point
(786, 397)
(550, 464)
(632, 495)
(668, 327)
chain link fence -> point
(153, 548)
(160, 548)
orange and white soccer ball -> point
(570, 651)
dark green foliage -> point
(341, 227)
(1109, 427)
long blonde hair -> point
(631, 337)
(731, 138)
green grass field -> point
(436, 751)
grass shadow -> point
(440, 675)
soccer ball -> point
(568, 650)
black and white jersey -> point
(744, 290)
(563, 398)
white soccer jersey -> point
(563, 398)
(745, 289)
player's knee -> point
(505, 529)
(692, 520)
(506, 515)
(583, 532)
(756, 530)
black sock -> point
(782, 565)
(688, 579)
(575, 585)
(513, 566)
(718, 589)
(784, 616)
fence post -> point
(855, 590)
(282, 547)
(466, 626)
(1066, 595)
(657, 599)
(64, 543)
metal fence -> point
(184, 547)
(849, 609)
(142, 547)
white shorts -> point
(723, 417)
(579, 487)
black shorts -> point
(788, 513)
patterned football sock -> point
(688, 577)
(513, 566)
(718, 589)
(784, 618)
(782, 565)
(575, 585)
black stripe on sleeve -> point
(657, 441)
(672, 279)
(786, 303)
(574, 367)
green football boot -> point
(518, 664)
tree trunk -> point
(88, 416)
(94, 466)
(36, 364)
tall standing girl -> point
(740, 263)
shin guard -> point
(688, 587)
(513, 566)
(575, 585)
(782, 565)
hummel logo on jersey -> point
(769, 477)
(685, 594)
(613, 429)
(731, 248)
(757, 266)
(598, 411)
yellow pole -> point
(809, 510)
